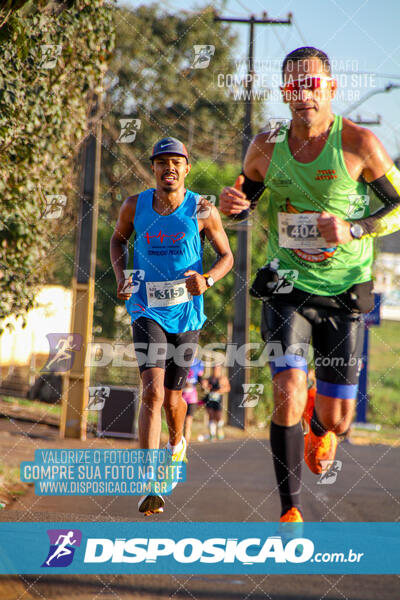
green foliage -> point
(208, 178)
(150, 78)
(106, 299)
(43, 118)
(9, 6)
(383, 380)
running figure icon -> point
(64, 348)
(62, 549)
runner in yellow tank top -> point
(320, 242)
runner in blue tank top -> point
(164, 291)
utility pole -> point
(239, 375)
(76, 381)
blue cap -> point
(169, 145)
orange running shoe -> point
(293, 515)
(317, 448)
(291, 527)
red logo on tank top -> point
(140, 309)
(326, 174)
(174, 237)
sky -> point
(360, 37)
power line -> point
(280, 41)
(303, 39)
(246, 8)
(388, 88)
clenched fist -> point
(195, 283)
(124, 288)
(232, 200)
(334, 229)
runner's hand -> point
(232, 200)
(123, 284)
(334, 229)
(195, 283)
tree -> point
(152, 82)
(52, 55)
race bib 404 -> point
(300, 231)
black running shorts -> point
(214, 404)
(174, 352)
(288, 326)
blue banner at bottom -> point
(211, 548)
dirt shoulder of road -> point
(19, 438)
(34, 413)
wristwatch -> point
(209, 280)
(356, 231)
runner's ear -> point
(333, 87)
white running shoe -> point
(154, 503)
(172, 459)
(151, 504)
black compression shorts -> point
(173, 352)
(337, 341)
(214, 404)
(191, 409)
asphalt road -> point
(229, 481)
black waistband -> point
(358, 298)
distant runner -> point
(216, 385)
(190, 395)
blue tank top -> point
(165, 246)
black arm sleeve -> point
(376, 224)
(253, 190)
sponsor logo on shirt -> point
(281, 181)
(174, 237)
(326, 174)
